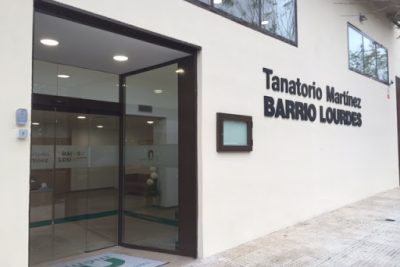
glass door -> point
(151, 178)
(74, 183)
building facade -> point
(228, 121)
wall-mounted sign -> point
(299, 110)
(21, 116)
(234, 132)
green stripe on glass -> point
(76, 218)
(151, 218)
(104, 214)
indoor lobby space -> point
(106, 132)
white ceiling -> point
(91, 48)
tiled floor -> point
(366, 233)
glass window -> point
(382, 63)
(247, 10)
(69, 81)
(366, 56)
(278, 17)
(356, 50)
(369, 57)
(274, 17)
(235, 133)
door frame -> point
(187, 114)
(187, 154)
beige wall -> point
(297, 169)
(15, 66)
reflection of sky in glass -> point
(355, 50)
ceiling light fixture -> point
(150, 122)
(81, 117)
(120, 58)
(35, 123)
(63, 76)
(180, 71)
(100, 126)
(158, 91)
(49, 42)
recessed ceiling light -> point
(264, 22)
(49, 42)
(81, 117)
(100, 126)
(63, 76)
(35, 123)
(120, 58)
(150, 122)
(158, 91)
(180, 71)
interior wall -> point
(15, 64)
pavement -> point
(366, 233)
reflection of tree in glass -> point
(356, 59)
(279, 17)
(370, 59)
(381, 61)
(245, 9)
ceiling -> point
(87, 47)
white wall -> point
(297, 169)
(15, 66)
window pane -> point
(278, 17)
(355, 50)
(79, 82)
(382, 63)
(235, 133)
(247, 10)
(151, 182)
(205, 1)
(369, 57)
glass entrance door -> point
(74, 183)
(151, 178)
